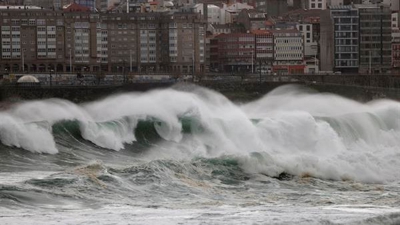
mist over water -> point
(183, 140)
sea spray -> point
(31, 136)
(287, 131)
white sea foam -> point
(30, 136)
(288, 130)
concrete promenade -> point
(246, 87)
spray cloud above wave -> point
(288, 130)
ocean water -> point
(188, 155)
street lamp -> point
(51, 76)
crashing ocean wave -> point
(288, 131)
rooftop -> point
(221, 26)
(369, 6)
(340, 7)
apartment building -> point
(102, 46)
(187, 47)
(31, 39)
(310, 45)
(362, 38)
(346, 34)
(233, 52)
(288, 52)
(122, 43)
(264, 49)
(375, 38)
(81, 40)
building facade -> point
(362, 38)
(316, 4)
(375, 38)
(252, 19)
(346, 34)
(40, 40)
(395, 20)
(288, 52)
(396, 51)
(28, 36)
(233, 52)
(264, 50)
(272, 7)
(310, 45)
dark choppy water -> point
(193, 157)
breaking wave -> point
(288, 131)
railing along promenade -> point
(118, 79)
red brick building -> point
(233, 52)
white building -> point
(216, 15)
(288, 45)
(288, 52)
(310, 46)
(233, 10)
(224, 15)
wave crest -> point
(289, 131)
